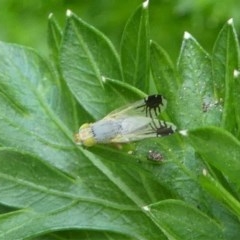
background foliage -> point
(25, 22)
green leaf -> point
(164, 75)
(163, 71)
(225, 60)
(5, 209)
(180, 221)
(135, 49)
(195, 105)
(178, 170)
(54, 36)
(219, 148)
(52, 200)
(83, 235)
(125, 89)
(55, 184)
(220, 193)
(87, 57)
(54, 43)
(236, 100)
(34, 115)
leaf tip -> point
(184, 133)
(230, 21)
(187, 35)
(204, 172)
(236, 73)
(50, 15)
(145, 4)
(103, 79)
(69, 13)
(146, 208)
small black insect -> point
(155, 156)
(156, 102)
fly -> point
(127, 124)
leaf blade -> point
(196, 105)
(51, 197)
(164, 75)
(214, 145)
(86, 57)
(180, 221)
(54, 36)
(225, 60)
(135, 49)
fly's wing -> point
(131, 127)
(127, 110)
(138, 128)
(106, 129)
(144, 107)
